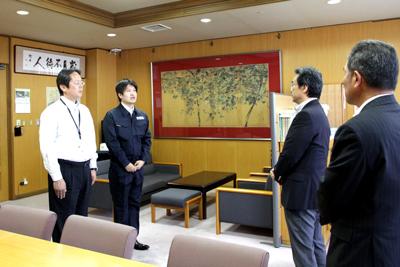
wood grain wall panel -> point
(26, 157)
(325, 48)
(4, 139)
(100, 87)
(4, 50)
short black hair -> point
(377, 62)
(122, 84)
(312, 78)
(63, 78)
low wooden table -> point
(204, 181)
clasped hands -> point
(134, 167)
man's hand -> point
(139, 164)
(60, 188)
(271, 172)
(130, 167)
(93, 175)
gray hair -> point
(377, 62)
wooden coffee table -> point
(204, 181)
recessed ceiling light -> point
(205, 20)
(22, 12)
(334, 2)
(111, 34)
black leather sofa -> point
(156, 177)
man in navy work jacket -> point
(128, 138)
(360, 195)
(301, 166)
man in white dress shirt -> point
(68, 146)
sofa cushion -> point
(165, 177)
(148, 169)
(151, 183)
(103, 166)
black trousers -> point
(78, 180)
(126, 192)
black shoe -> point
(140, 246)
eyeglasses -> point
(78, 83)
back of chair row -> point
(27, 221)
(99, 235)
(84, 232)
(192, 251)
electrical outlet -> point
(23, 182)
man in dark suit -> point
(300, 167)
(127, 135)
(360, 193)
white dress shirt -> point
(59, 136)
(300, 106)
(129, 109)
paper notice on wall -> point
(22, 100)
(52, 95)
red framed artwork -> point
(215, 97)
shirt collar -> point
(70, 104)
(358, 110)
(129, 109)
(300, 106)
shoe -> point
(140, 246)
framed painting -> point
(215, 97)
(45, 62)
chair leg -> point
(217, 221)
(153, 213)
(169, 212)
(186, 210)
(200, 209)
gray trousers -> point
(308, 246)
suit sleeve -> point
(113, 144)
(342, 177)
(146, 144)
(297, 141)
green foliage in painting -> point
(215, 91)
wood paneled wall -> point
(100, 85)
(26, 159)
(4, 139)
(325, 48)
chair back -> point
(192, 251)
(27, 221)
(99, 235)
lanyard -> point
(78, 126)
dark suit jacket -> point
(360, 195)
(128, 139)
(302, 162)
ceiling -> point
(85, 23)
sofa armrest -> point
(259, 174)
(168, 167)
(102, 180)
(257, 183)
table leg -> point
(204, 200)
